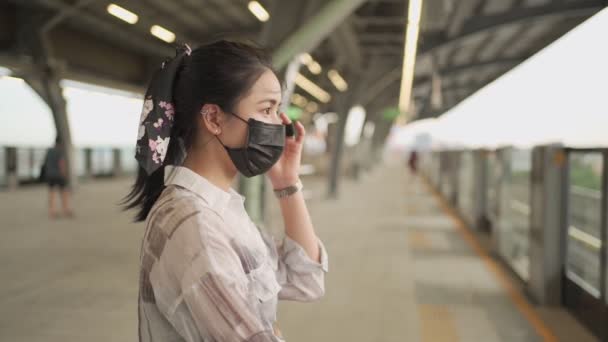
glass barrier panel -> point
(514, 232)
(583, 251)
(38, 156)
(24, 164)
(3, 180)
(465, 189)
(127, 160)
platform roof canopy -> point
(466, 43)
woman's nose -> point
(276, 120)
(272, 120)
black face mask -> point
(262, 150)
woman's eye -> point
(268, 111)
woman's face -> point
(261, 103)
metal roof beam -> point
(394, 75)
(483, 24)
(387, 37)
(208, 15)
(520, 32)
(381, 20)
(346, 44)
(184, 13)
(121, 36)
(510, 62)
(317, 28)
(239, 15)
(459, 14)
(560, 10)
(23, 67)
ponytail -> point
(145, 192)
(148, 187)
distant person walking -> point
(55, 174)
(413, 162)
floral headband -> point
(157, 114)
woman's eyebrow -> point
(272, 101)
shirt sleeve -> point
(215, 290)
(301, 278)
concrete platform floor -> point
(400, 270)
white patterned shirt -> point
(209, 274)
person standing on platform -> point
(207, 272)
(413, 162)
(55, 174)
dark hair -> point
(219, 73)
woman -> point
(207, 272)
(55, 174)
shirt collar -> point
(216, 197)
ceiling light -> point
(305, 58)
(259, 11)
(337, 80)
(312, 89)
(409, 55)
(314, 67)
(312, 107)
(122, 14)
(354, 125)
(162, 33)
(302, 102)
(331, 117)
(299, 100)
(414, 11)
(368, 129)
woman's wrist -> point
(289, 190)
(285, 182)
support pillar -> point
(12, 180)
(342, 105)
(46, 76)
(117, 168)
(88, 162)
(547, 224)
(436, 93)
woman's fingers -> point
(301, 132)
(285, 119)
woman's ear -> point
(212, 117)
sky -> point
(25, 119)
(98, 116)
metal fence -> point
(23, 164)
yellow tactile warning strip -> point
(418, 240)
(516, 297)
(437, 324)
